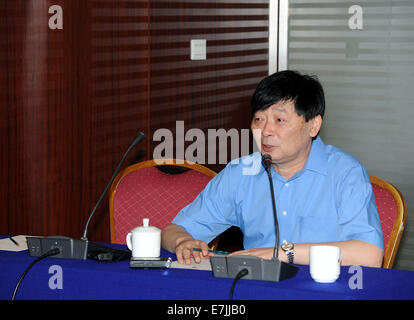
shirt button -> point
(287, 184)
(284, 213)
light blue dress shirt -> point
(330, 199)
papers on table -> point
(203, 265)
(8, 245)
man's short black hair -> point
(305, 91)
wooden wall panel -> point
(42, 125)
(5, 113)
(213, 93)
(72, 100)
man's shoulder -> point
(339, 157)
(344, 165)
(248, 165)
(245, 160)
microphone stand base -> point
(259, 269)
(69, 248)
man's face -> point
(280, 132)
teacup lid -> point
(146, 227)
(145, 222)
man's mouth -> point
(268, 147)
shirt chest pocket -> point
(316, 229)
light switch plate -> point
(198, 49)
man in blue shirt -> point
(323, 195)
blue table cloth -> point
(89, 279)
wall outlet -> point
(198, 49)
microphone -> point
(257, 268)
(140, 136)
(70, 248)
(267, 162)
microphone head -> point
(267, 160)
(141, 135)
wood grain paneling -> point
(5, 114)
(73, 99)
(39, 133)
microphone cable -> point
(267, 162)
(51, 252)
(238, 276)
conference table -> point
(66, 279)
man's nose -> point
(268, 129)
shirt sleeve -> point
(358, 215)
(213, 210)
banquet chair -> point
(393, 214)
(158, 192)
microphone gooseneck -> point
(267, 162)
(140, 136)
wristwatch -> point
(287, 247)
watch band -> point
(290, 256)
(288, 247)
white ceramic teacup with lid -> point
(144, 241)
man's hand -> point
(184, 251)
(176, 239)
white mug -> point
(145, 241)
(325, 263)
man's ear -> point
(315, 126)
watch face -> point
(287, 246)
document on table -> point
(203, 265)
(8, 245)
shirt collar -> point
(317, 160)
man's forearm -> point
(172, 235)
(353, 252)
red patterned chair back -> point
(143, 191)
(393, 214)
